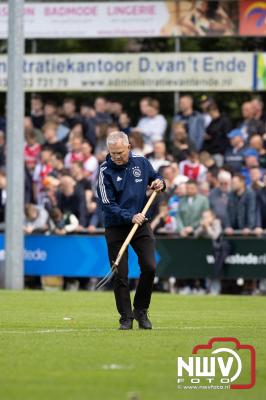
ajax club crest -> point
(136, 172)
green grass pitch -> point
(44, 356)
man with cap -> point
(251, 160)
(234, 156)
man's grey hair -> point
(115, 137)
(224, 176)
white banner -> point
(94, 20)
(135, 72)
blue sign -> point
(80, 256)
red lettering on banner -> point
(73, 11)
(131, 10)
(27, 11)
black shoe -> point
(142, 318)
(126, 324)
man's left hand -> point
(157, 185)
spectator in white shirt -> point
(90, 162)
(153, 126)
(158, 158)
(36, 218)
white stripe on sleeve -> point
(102, 187)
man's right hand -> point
(138, 219)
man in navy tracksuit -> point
(123, 181)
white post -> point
(14, 240)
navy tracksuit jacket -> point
(122, 188)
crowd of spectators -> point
(212, 166)
(215, 165)
(64, 148)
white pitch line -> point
(84, 330)
(38, 331)
(44, 331)
(56, 330)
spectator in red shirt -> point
(192, 168)
(32, 150)
(41, 171)
(75, 153)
